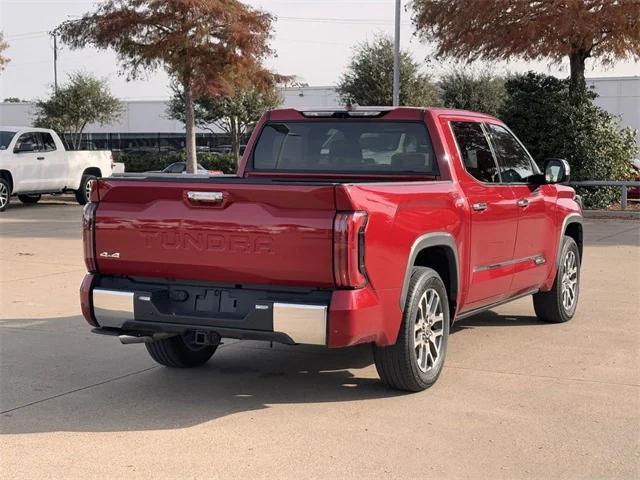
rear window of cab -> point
(345, 146)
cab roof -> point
(391, 113)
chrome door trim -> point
(538, 259)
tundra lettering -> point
(211, 242)
(369, 225)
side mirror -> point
(24, 147)
(556, 170)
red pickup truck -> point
(341, 227)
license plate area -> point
(210, 305)
(232, 308)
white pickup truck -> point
(34, 161)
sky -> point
(314, 41)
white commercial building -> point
(144, 125)
(150, 116)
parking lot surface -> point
(517, 398)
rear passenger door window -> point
(475, 151)
(515, 163)
(48, 144)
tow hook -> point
(202, 337)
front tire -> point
(82, 194)
(180, 352)
(5, 194)
(559, 304)
(415, 362)
(30, 199)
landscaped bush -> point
(467, 89)
(149, 161)
(553, 122)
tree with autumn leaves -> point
(531, 29)
(3, 46)
(209, 47)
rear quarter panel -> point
(399, 213)
(79, 161)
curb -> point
(612, 214)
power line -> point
(349, 21)
(26, 35)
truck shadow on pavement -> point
(241, 377)
(493, 319)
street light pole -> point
(396, 58)
(55, 63)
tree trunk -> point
(190, 128)
(577, 60)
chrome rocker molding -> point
(434, 239)
(302, 323)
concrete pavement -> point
(517, 398)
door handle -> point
(523, 202)
(480, 207)
(40, 158)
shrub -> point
(151, 161)
(553, 122)
(479, 91)
(368, 79)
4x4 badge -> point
(110, 255)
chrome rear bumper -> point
(112, 308)
(302, 323)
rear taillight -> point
(88, 236)
(348, 249)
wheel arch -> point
(438, 251)
(95, 171)
(6, 174)
(571, 227)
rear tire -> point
(415, 362)
(5, 194)
(180, 352)
(30, 199)
(82, 194)
(559, 304)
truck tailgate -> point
(258, 234)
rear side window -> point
(47, 142)
(345, 146)
(475, 151)
(514, 161)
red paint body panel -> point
(260, 234)
(277, 229)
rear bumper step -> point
(161, 311)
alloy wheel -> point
(4, 195)
(428, 330)
(569, 280)
(88, 188)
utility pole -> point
(55, 63)
(396, 58)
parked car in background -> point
(407, 219)
(181, 167)
(34, 161)
(226, 149)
